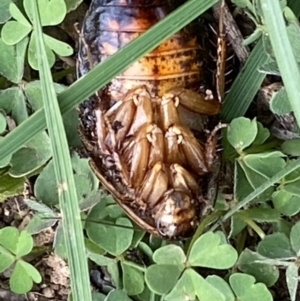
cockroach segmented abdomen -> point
(146, 131)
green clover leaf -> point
(210, 251)
(52, 12)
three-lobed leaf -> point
(23, 276)
(52, 12)
(295, 238)
(265, 164)
(114, 240)
(6, 260)
(13, 32)
(133, 279)
(292, 279)
(221, 285)
(18, 15)
(291, 147)
(169, 254)
(100, 259)
(209, 251)
(32, 156)
(113, 270)
(241, 133)
(279, 103)
(72, 4)
(98, 296)
(117, 295)
(18, 243)
(12, 67)
(13, 245)
(276, 245)
(262, 272)
(39, 223)
(246, 288)
(205, 291)
(161, 278)
(58, 47)
(4, 11)
(32, 58)
(184, 288)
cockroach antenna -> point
(221, 55)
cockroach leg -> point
(140, 155)
(82, 40)
(155, 185)
(156, 139)
(192, 150)
(221, 56)
(128, 114)
(173, 153)
(121, 115)
(182, 179)
(195, 102)
(211, 144)
(144, 111)
(87, 144)
(168, 111)
(101, 130)
(106, 183)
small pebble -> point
(48, 292)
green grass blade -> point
(249, 79)
(283, 51)
(292, 166)
(104, 72)
(245, 86)
(64, 175)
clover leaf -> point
(14, 245)
(246, 289)
(210, 251)
(52, 12)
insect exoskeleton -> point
(141, 145)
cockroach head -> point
(176, 215)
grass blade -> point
(293, 165)
(283, 51)
(249, 79)
(64, 174)
(245, 86)
(105, 71)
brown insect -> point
(142, 133)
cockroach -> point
(138, 132)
